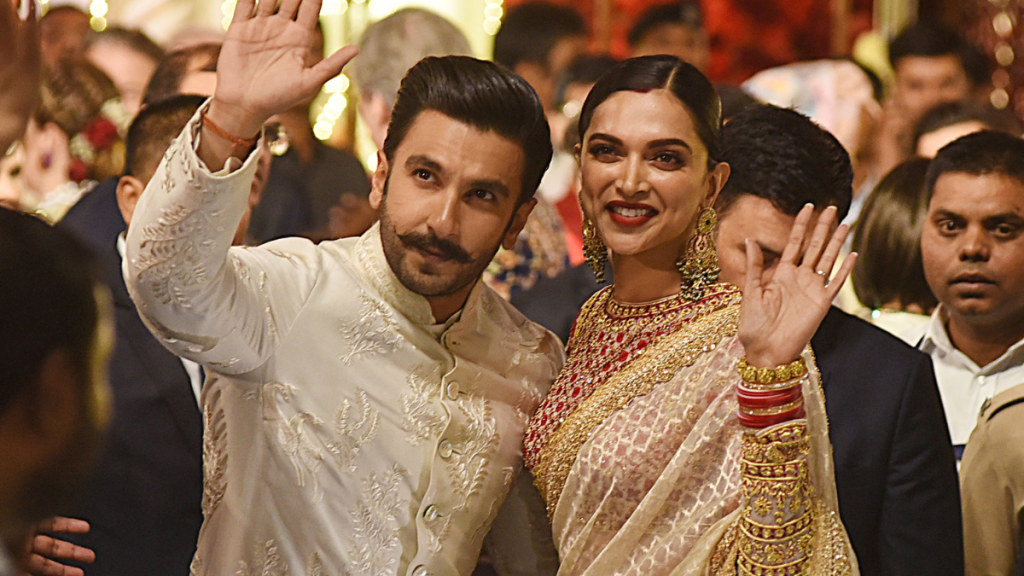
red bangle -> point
(235, 140)
(754, 399)
(751, 421)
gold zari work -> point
(658, 364)
(762, 377)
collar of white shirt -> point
(937, 338)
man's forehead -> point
(459, 146)
(977, 194)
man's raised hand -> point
(263, 67)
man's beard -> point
(422, 282)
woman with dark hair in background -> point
(888, 277)
(687, 432)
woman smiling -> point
(687, 431)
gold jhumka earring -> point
(698, 266)
(594, 250)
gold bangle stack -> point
(771, 378)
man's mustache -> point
(440, 246)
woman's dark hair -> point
(482, 94)
(888, 238)
(47, 302)
(647, 73)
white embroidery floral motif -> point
(375, 331)
(474, 445)
(266, 562)
(375, 523)
(215, 455)
(307, 440)
(316, 566)
(423, 420)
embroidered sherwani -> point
(345, 431)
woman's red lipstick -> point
(630, 215)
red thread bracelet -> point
(235, 140)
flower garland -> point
(99, 135)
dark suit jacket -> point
(899, 496)
(144, 500)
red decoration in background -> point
(100, 132)
(746, 36)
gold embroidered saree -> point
(646, 469)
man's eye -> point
(1006, 230)
(421, 174)
(483, 194)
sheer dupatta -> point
(647, 476)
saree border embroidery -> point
(657, 365)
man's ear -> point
(377, 181)
(717, 178)
(518, 223)
(129, 190)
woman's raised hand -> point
(778, 318)
(263, 67)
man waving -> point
(365, 399)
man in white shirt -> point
(972, 248)
(366, 398)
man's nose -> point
(443, 218)
(975, 245)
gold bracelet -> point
(769, 376)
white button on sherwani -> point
(346, 432)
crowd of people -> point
(586, 316)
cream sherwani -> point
(345, 431)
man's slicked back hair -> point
(530, 31)
(979, 154)
(782, 156)
(483, 95)
(153, 130)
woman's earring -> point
(594, 250)
(699, 265)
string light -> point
(334, 7)
(336, 104)
(227, 10)
(98, 15)
(493, 12)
